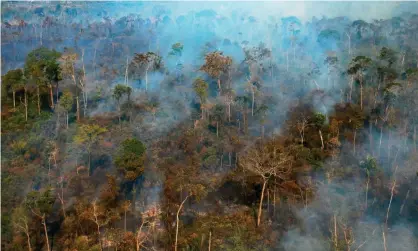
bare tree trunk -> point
(51, 95)
(177, 222)
(260, 206)
(39, 100)
(403, 203)
(219, 84)
(26, 105)
(391, 197)
(67, 119)
(14, 99)
(124, 222)
(97, 225)
(28, 238)
(361, 95)
(335, 233)
(252, 104)
(367, 188)
(384, 240)
(78, 108)
(217, 131)
(354, 141)
(322, 140)
(210, 240)
(349, 43)
(371, 139)
(146, 79)
(229, 111)
(46, 233)
(415, 138)
(380, 140)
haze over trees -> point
(154, 126)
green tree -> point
(21, 222)
(118, 92)
(130, 162)
(318, 122)
(87, 136)
(201, 89)
(130, 159)
(40, 204)
(13, 81)
(357, 68)
(66, 103)
(215, 65)
(41, 67)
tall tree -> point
(13, 80)
(68, 69)
(215, 65)
(267, 161)
(87, 136)
(41, 67)
(66, 103)
(201, 89)
(142, 63)
(357, 67)
(118, 93)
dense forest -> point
(135, 126)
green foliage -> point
(388, 55)
(369, 164)
(66, 101)
(201, 88)
(318, 120)
(88, 135)
(359, 64)
(130, 158)
(120, 90)
(40, 201)
(42, 65)
(13, 80)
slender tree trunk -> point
(322, 140)
(28, 238)
(371, 139)
(46, 233)
(14, 99)
(146, 80)
(415, 138)
(252, 104)
(51, 95)
(217, 131)
(260, 206)
(349, 43)
(89, 153)
(380, 140)
(67, 118)
(335, 233)
(133, 197)
(403, 203)
(354, 141)
(124, 223)
(39, 100)
(361, 95)
(229, 111)
(367, 188)
(177, 222)
(210, 240)
(26, 105)
(219, 84)
(384, 240)
(78, 108)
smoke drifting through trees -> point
(209, 126)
